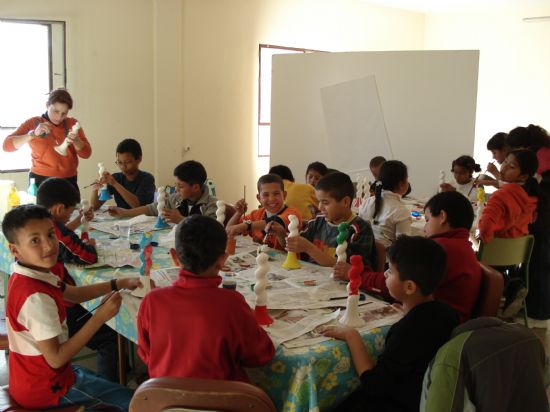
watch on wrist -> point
(248, 224)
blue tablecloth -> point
(298, 379)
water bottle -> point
(13, 198)
(32, 187)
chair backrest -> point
(380, 256)
(490, 292)
(506, 251)
(159, 394)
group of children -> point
(435, 279)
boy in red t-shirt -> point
(40, 372)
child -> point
(43, 133)
(40, 372)
(298, 195)
(388, 216)
(375, 165)
(535, 138)
(314, 172)
(463, 169)
(60, 198)
(270, 219)
(218, 336)
(394, 383)
(511, 208)
(131, 187)
(449, 218)
(335, 192)
(191, 197)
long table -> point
(312, 378)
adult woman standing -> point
(44, 133)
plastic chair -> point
(158, 394)
(380, 257)
(490, 292)
(509, 252)
(7, 404)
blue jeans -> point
(96, 393)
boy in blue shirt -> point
(394, 383)
(131, 187)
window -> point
(34, 64)
(264, 93)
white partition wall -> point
(344, 108)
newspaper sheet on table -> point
(116, 253)
(119, 227)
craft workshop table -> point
(310, 378)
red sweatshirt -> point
(460, 286)
(507, 214)
(196, 329)
(45, 160)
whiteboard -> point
(324, 107)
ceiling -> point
(431, 6)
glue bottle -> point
(13, 198)
(32, 187)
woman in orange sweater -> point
(44, 133)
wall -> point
(514, 83)
(110, 71)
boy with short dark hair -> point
(449, 218)
(131, 187)
(335, 192)
(270, 219)
(60, 198)
(218, 335)
(191, 196)
(40, 350)
(498, 146)
(394, 383)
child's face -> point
(272, 197)
(499, 155)
(127, 163)
(61, 213)
(36, 244)
(375, 170)
(461, 174)
(187, 191)
(57, 112)
(336, 211)
(312, 177)
(435, 224)
(510, 171)
(395, 285)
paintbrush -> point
(97, 307)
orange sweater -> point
(45, 160)
(260, 214)
(507, 214)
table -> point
(310, 378)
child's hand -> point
(110, 308)
(341, 270)
(297, 244)
(90, 242)
(235, 230)
(89, 214)
(73, 137)
(128, 283)
(96, 186)
(107, 178)
(42, 129)
(446, 187)
(275, 228)
(338, 331)
(240, 207)
(172, 215)
(117, 211)
(491, 168)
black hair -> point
(466, 162)
(419, 259)
(191, 172)
(270, 178)
(200, 241)
(498, 141)
(55, 190)
(19, 216)
(392, 173)
(338, 185)
(318, 167)
(459, 210)
(542, 221)
(528, 165)
(131, 146)
(60, 95)
(532, 137)
(283, 171)
(376, 161)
